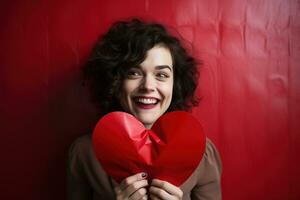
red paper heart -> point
(171, 150)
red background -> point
(250, 87)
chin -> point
(147, 121)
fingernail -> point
(144, 175)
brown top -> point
(88, 181)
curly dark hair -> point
(125, 45)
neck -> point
(148, 126)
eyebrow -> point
(157, 67)
(163, 67)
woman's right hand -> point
(133, 188)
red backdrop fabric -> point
(250, 88)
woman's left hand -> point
(162, 190)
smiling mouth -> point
(146, 102)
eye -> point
(134, 73)
(162, 75)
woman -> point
(139, 68)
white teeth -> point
(146, 100)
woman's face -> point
(147, 89)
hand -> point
(160, 190)
(133, 188)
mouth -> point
(146, 102)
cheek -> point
(128, 87)
(127, 90)
(167, 89)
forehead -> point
(159, 55)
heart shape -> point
(171, 150)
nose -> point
(148, 83)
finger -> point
(131, 179)
(168, 187)
(135, 191)
(160, 193)
(134, 187)
(144, 198)
(139, 194)
(153, 197)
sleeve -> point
(78, 187)
(208, 185)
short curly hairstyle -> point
(125, 45)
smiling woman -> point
(147, 89)
(139, 68)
